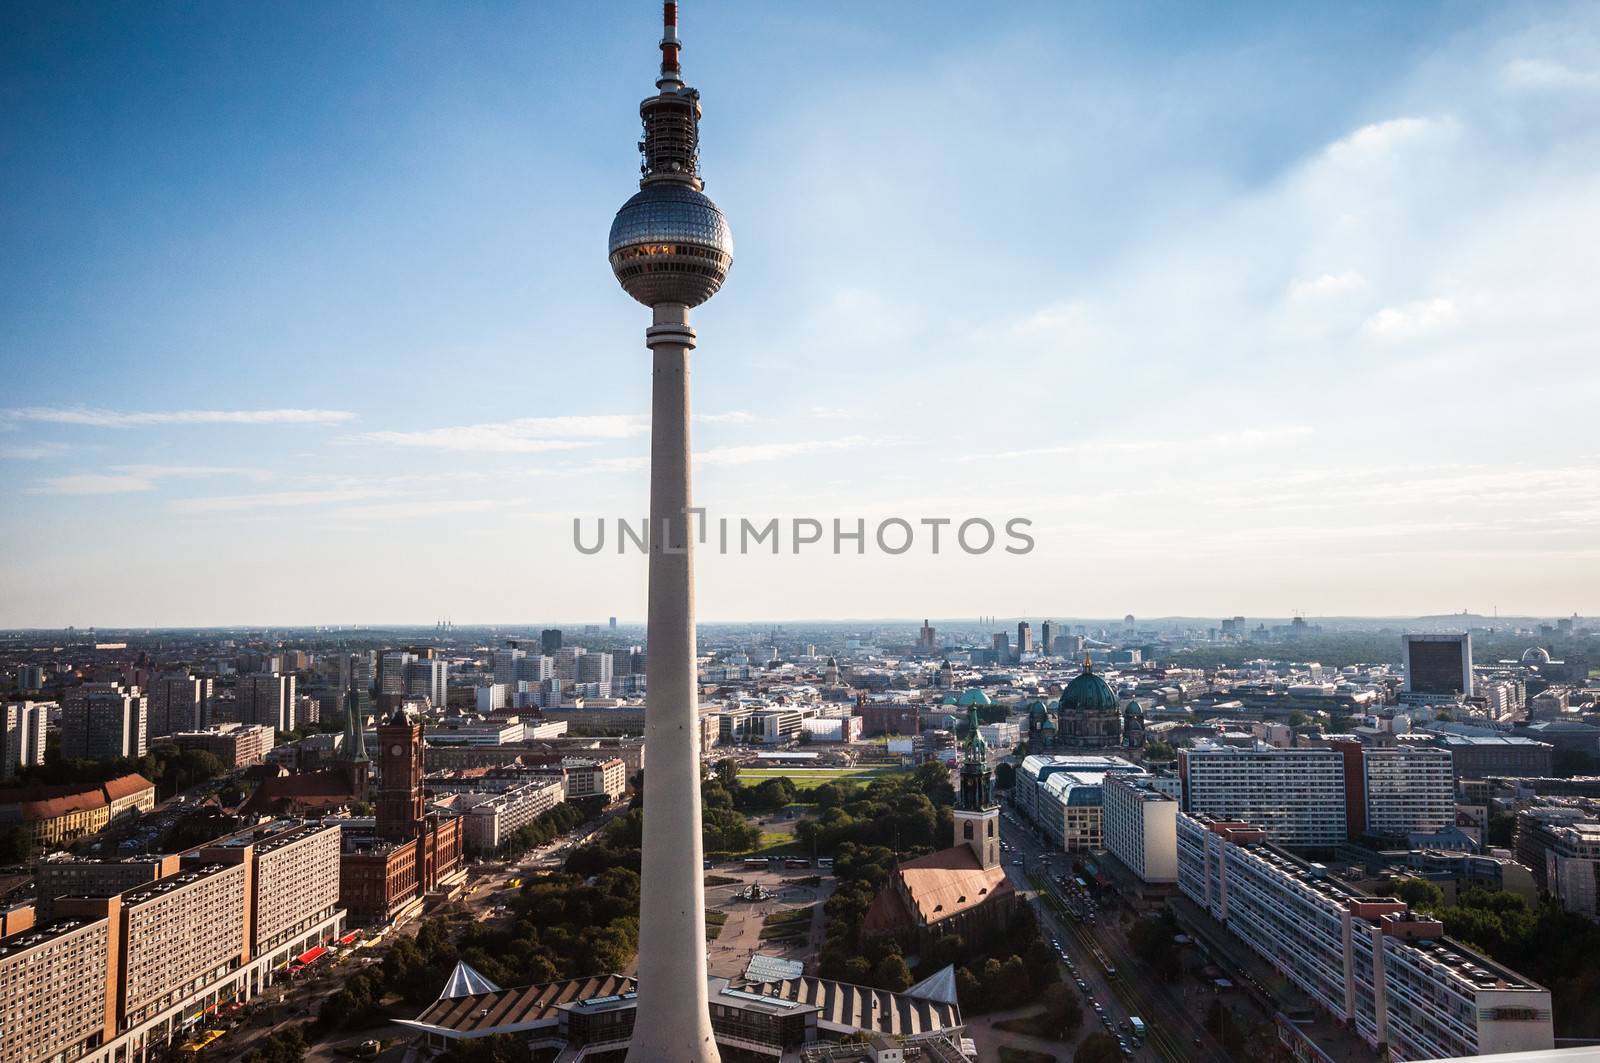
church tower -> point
(354, 757)
(977, 813)
(400, 800)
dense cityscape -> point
(971, 836)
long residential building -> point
(1296, 795)
(236, 745)
(117, 972)
(56, 815)
(490, 819)
(1394, 791)
(1389, 973)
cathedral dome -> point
(974, 697)
(1535, 655)
(1088, 693)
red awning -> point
(310, 956)
(349, 937)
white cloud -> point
(1412, 319)
(1543, 74)
(1327, 286)
(99, 418)
(32, 451)
(524, 435)
(1380, 139)
(92, 484)
(731, 417)
(279, 500)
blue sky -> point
(306, 316)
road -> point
(1176, 1031)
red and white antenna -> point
(671, 72)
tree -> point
(1502, 829)
(1098, 1047)
(892, 973)
(501, 1048)
(1005, 776)
(1420, 894)
(16, 845)
(1298, 719)
(1151, 940)
(1062, 1006)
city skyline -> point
(1256, 314)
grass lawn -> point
(809, 778)
(775, 843)
(801, 916)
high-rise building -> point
(1047, 638)
(104, 721)
(30, 677)
(927, 638)
(1438, 665)
(670, 249)
(1398, 790)
(266, 698)
(22, 745)
(550, 641)
(393, 668)
(1296, 795)
(1000, 646)
(1140, 827)
(596, 668)
(178, 702)
(567, 663)
(428, 678)
(1024, 638)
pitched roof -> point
(940, 986)
(949, 881)
(843, 1006)
(327, 788)
(464, 982)
(477, 1014)
(127, 786)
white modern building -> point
(489, 819)
(26, 725)
(1141, 827)
(1296, 795)
(1389, 973)
(476, 731)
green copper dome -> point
(1088, 693)
(974, 697)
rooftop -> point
(173, 883)
(17, 944)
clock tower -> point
(400, 801)
(977, 813)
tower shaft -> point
(673, 1022)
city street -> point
(1173, 1017)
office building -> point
(22, 745)
(267, 699)
(489, 819)
(550, 641)
(1438, 666)
(1062, 796)
(30, 677)
(104, 721)
(1371, 963)
(1482, 756)
(606, 777)
(1047, 638)
(429, 678)
(1296, 795)
(1140, 827)
(1024, 638)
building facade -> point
(1140, 827)
(1296, 795)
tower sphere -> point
(670, 244)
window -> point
(966, 830)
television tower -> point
(670, 250)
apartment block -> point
(1369, 961)
(23, 730)
(1407, 789)
(294, 883)
(179, 931)
(489, 819)
(53, 990)
(1296, 795)
(236, 745)
(178, 703)
(104, 721)
(606, 778)
(267, 699)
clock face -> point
(395, 751)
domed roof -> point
(1088, 693)
(1048, 725)
(670, 244)
(1535, 655)
(1134, 709)
(974, 697)
(948, 699)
